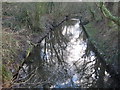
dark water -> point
(64, 59)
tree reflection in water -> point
(63, 59)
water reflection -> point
(64, 59)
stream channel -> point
(64, 59)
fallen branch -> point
(15, 76)
(108, 14)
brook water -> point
(64, 60)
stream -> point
(64, 59)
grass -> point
(13, 45)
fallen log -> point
(15, 76)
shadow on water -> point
(64, 59)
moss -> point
(104, 36)
(93, 34)
(108, 14)
(91, 30)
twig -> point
(51, 29)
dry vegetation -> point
(23, 26)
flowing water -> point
(63, 60)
